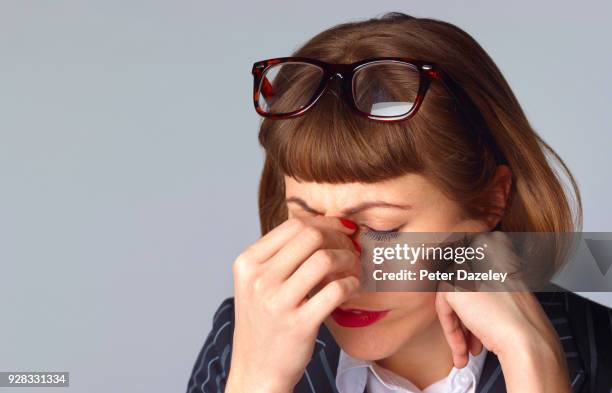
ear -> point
(495, 196)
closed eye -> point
(384, 236)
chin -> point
(411, 315)
(366, 343)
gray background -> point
(129, 161)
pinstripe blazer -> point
(584, 328)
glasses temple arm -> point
(266, 88)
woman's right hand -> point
(285, 285)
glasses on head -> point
(387, 89)
(383, 88)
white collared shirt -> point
(354, 375)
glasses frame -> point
(345, 72)
(428, 72)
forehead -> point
(410, 188)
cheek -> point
(412, 315)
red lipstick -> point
(356, 317)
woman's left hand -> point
(514, 327)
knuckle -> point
(259, 284)
(324, 259)
(339, 288)
(480, 238)
(272, 306)
(503, 238)
(498, 236)
(313, 235)
(241, 266)
(296, 223)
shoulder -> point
(584, 328)
(224, 315)
(211, 367)
(222, 330)
(580, 312)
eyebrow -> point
(351, 210)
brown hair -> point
(331, 144)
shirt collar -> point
(354, 374)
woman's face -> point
(409, 203)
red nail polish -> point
(357, 246)
(348, 223)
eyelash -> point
(382, 236)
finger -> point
(321, 264)
(453, 331)
(474, 344)
(302, 246)
(268, 245)
(343, 225)
(321, 305)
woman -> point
(436, 142)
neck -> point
(425, 359)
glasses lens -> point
(386, 89)
(288, 87)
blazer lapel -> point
(320, 373)
(556, 308)
(491, 378)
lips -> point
(356, 317)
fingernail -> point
(348, 223)
(356, 244)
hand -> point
(276, 319)
(514, 327)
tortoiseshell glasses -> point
(383, 88)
